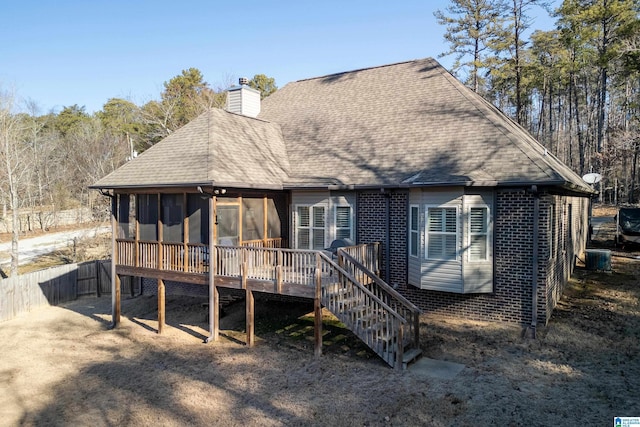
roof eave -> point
(99, 186)
(235, 185)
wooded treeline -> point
(51, 159)
(575, 88)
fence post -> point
(97, 267)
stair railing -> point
(373, 321)
(386, 293)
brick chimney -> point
(243, 99)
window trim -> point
(428, 233)
(487, 233)
(553, 231)
(335, 221)
(310, 227)
(414, 233)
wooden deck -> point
(348, 285)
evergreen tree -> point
(471, 27)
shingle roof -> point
(217, 148)
(404, 124)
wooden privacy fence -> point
(54, 286)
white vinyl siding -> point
(414, 230)
(344, 222)
(442, 233)
(320, 217)
(452, 233)
(478, 233)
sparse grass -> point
(61, 366)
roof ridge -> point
(364, 69)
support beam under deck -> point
(161, 304)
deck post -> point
(160, 305)
(249, 309)
(317, 312)
(214, 312)
(279, 272)
(399, 349)
(115, 279)
(115, 299)
(250, 318)
(214, 294)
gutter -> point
(235, 186)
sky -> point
(84, 52)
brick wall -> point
(511, 300)
(372, 224)
(567, 243)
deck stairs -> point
(375, 312)
(344, 284)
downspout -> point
(535, 261)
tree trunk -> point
(15, 232)
(581, 145)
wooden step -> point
(410, 356)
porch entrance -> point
(226, 223)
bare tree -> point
(15, 167)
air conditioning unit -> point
(598, 259)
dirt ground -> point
(63, 366)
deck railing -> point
(273, 242)
(284, 265)
(368, 255)
(349, 288)
(269, 262)
(385, 293)
(183, 257)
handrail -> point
(362, 287)
(386, 292)
(411, 306)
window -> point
(570, 226)
(126, 218)
(310, 227)
(252, 219)
(198, 214)
(414, 230)
(227, 224)
(344, 229)
(478, 233)
(147, 205)
(442, 233)
(552, 230)
(172, 212)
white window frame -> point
(414, 231)
(335, 221)
(486, 233)
(553, 231)
(428, 233)
(311, 227)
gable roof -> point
(404, 124)
(217, 148)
